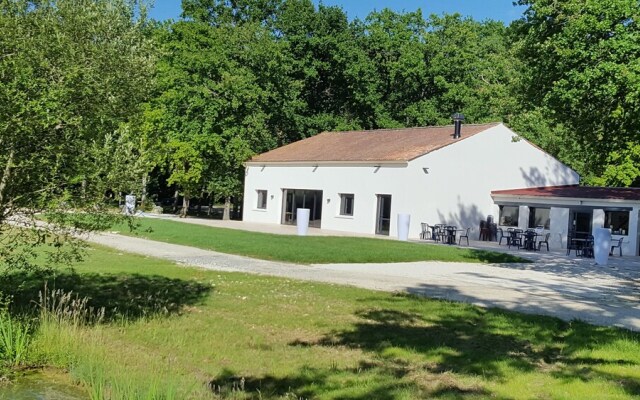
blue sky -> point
(501, 10)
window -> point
(346, 204)
(509, 215)
(539, 217)
(262, 199)
(618, 221)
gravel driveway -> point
(561, 288)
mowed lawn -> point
(307, 249)
(191, 332)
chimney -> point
(457, 124)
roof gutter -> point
(326, 163)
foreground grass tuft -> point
(237, 336)
(308, 249)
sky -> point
(500, 10)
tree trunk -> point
(83, 187)
(185, 206)
(236, 208)
(143, 195)
(5, 177)
(227, 207)
(210, 203)
(176, 196)
(202, 196)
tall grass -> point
(66, 308)
(70, 335)
(15, 337)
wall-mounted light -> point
(328, 200)
(271, 197)
(425, 170)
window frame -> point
(344, 198)
(532, 217)
(617, 228)
(501, 215)
(262, 199)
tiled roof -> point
(375, 145)
(574, 191)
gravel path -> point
(567, 290)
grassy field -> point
(307, 249)
(183, 333)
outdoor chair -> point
(436, 233)
(529, 240)
(502, 235)
(619, 246)
(425, 231)
(587, 249)
(545, 241)
(572, 245)
(442, 232)
(466, 236)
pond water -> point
(42, 386)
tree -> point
(222, 98)
(73, 74)
(470, 69)
(584, 71)
(395, 44)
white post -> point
(558, 227)
(633, 234)
(523, 217)
(598, 219)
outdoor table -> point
(579, 242)
(451, 234)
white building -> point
(359, 181)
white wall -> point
(558, 226)
(455, 191)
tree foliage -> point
(72, 75)
(583, 72)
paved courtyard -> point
(552, 284)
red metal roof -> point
(574, 191)
(374, 145)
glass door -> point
(300, 198)
(580, 224)
(383, 218)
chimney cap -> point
(457, 117)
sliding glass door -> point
(300, 198)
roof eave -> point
(584, 201)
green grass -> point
(307, 249)
(173, 332)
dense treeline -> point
(238, 78)
(184, 103)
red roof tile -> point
(574, 191)
(375, 145)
